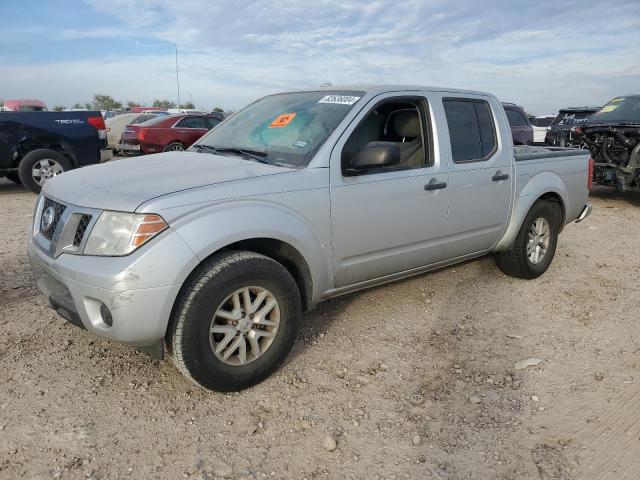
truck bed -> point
(527, 152)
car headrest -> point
(406, 123)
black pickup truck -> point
(35, 146)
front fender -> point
(543, 183)
(209, 229)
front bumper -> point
(586, 211)
(80, 287)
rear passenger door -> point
(481, 176)
(191, 129)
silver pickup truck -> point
(214, 253)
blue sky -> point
(541, 54)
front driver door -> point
(390, 220)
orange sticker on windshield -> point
(283, 120)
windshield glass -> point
(571, 118)
(619, 110)
(287, 128)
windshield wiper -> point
(257, 155)
(206, 148)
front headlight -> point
(118, 233)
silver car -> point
(213, 254)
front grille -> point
(54, 209)
(80, 231)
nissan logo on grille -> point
(47, 219)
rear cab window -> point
(472, 130)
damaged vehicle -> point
(565, 129)
(613, 137)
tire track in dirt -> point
(609, 447)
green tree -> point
(188, 105)
(131, 103)
(88, 106)
(105, 102)
(218, 109)
(58, 108)
(77, 105)
(163, 104)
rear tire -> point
(38, 166)
(532, 250)
(174, 147)
(209, 321)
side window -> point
(399, 121)
(516, 119)
(191, 122)
(212, 122)
(471, 129)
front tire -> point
(235, 321)
(535, 244)
(39, 166)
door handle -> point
(500, 176)
(434, 185)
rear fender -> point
(541, 184)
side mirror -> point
(374, 155)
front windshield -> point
(287, 128)
(619, 110)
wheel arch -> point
(522, 207)
(278, 250)
(29, 144)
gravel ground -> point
(416, 379)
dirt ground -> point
(416, 379)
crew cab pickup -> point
(214, 253)
(36, 146)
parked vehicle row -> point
(117, 125)
(166, 133)
(297, 198)
(37, 146)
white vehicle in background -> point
(156, 112)
(183, 111)
(541, 125)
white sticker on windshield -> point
(339, 99)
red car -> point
(166, 133)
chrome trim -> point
(586, 211)
(63, 235)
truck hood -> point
(125, 184)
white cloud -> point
(536, 54)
